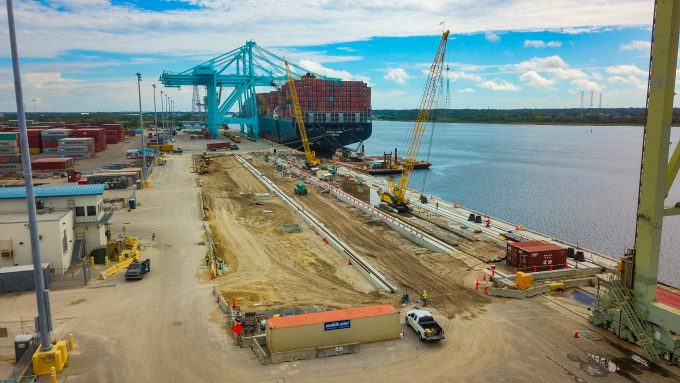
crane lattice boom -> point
(309, 154)
(429, 93)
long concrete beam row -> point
(412, 233)
(372, 274)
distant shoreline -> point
(528, 123)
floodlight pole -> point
(41, 294)
(141, 126)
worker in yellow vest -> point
(424, 296)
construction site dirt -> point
(410, 266)
(267, 267)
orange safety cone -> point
(486, 290)
(477, 284)
(576, 333)
(349, 261)
(484, 278)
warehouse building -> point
(330, 332)
(76, 209)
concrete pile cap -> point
(330, 316)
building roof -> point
(330, 316)
(536, 246)
(52, 191)
(20, 268)
(41, 216)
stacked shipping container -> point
(114, 133)
(10, 159)
(77, 148)
(98, 134)
(318, 96)
(52, 164)
(50, 139)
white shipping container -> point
(76, 149)
(56, 132)
(76, 156)
(14, 150)
(4, 168)
(8, 144)
(76, 141)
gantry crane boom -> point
(396, 197)
(309, 154)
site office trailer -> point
(329, 328)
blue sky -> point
(80, 55)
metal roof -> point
(330, 316)
(535, 246)
(52, 191)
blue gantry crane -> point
(241, 70)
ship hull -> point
(323, 137)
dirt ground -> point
(267, 267)
(411, 267)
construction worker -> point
(437, 205)
(424, 296)
(153, 235)
(207, 259)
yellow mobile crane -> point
(309, 154)
(395, 197)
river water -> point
(576, 183)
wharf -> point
(458, 216)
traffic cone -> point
(477, 284)
(484, 278)
(576, 333)
(349, 261)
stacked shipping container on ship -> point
(336, 113)
(76, 148)
(98, 134)
(50, 139)
(10, 159)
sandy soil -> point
(412, 267)
(268, 267)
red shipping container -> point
(526, 256)
(50, 144)
(52, 164)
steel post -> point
(40, 292)
(155, 119)
(141, 126)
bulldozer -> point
(300, 189)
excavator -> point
(395, 197)
(310, 156)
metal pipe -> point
(155, 118)
(40, 292)
(141, 126)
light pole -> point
(41, 294)
(155, 118)
(141, 126)
(35, 114)
(173, 114)
(167, 108)
(162, 111)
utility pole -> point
(155, 118)
(162, 111)
(141, 126)
(591, 98)
(581, 99)
(174, 123)
(35, 114)
(41, 295)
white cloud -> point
(553, 65)
(492, 36)
(630, 70)
(397, 75)
(583, 83)
(631, 80)
(466, 90)
(499, 85)
(535, 79)
(341, 74)
(636, 45)
(461, 75)
(542, 44)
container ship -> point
(336, 113)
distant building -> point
(78, 208)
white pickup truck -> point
(424, 325)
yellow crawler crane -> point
(309, 154)
(395, 197)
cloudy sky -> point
(80, 55)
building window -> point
(80, 211)
(91, 210)
(64, 242)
